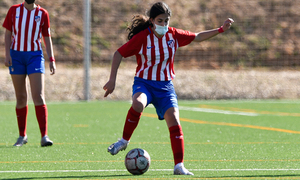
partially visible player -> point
(25, 25)
(154, 44)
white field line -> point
(254, 101)
(217, 111)
(123, 170)
(185, 108)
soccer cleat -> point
(46, 141)
(21, 140)
(179, 169)
(118, 146)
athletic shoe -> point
(46, 141)
(118, 146)
(21, 140)
(179, 169)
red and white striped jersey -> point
(27, 27)
(155, 56)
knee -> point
(38, 99)
(21, 100)
(139, 102)
(172, 117)
(138, 106)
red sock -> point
(42, 117)
(177, 143)
(22, 119)
(131, 123)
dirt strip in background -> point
(68, 84)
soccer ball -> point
(137, 161)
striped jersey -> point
(155, 56)
(27, 27)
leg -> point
(177, 142)
(19, 82)
(37, 91)
(37, 88)
(176, 135)
(139, 102)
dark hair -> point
(141, 22)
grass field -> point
(255, 139)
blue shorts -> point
(159, 93)
(27, 62)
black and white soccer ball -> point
(137, 161)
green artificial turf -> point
(257, 139)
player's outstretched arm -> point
(204, 35)
(110, 85)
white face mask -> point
(161, 30)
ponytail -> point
(139, 23)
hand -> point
(227, 24)
(8, 61)
(52, 67)
(109, 87)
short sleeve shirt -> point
(27, 27)
(155, 56)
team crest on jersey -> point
(171, 43)
(37, 18)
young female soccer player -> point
(25, 25)
(154, 44)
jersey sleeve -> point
(132, 47)
(7, 24)
(46, 25)
(184, 37)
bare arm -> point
(204, 35)
(110, 85)
(49, 49)
(7, 48)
